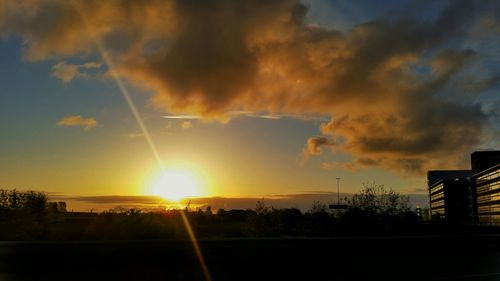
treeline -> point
(29, 215)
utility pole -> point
(338, 191)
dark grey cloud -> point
(113, 199)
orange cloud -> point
(385, 83)
(78, 120)
(315, 145)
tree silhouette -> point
(23, 214)
(376, 209)
(375, 198)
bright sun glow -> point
(175, 185)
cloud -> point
(242, 113)
(387, 84)
(113, 199)
(194, 117)
(302, 201)
(67, 72)
(315, 145)
(134, 135)
(186, 125)
(78, 120)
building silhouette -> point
(483, 160)
(450, 196)
(467, 196)
(486, 181)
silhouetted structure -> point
(433, 176)
(486, 181)
(483, 160)
(451, 200)
(462, 196)
(451, 195)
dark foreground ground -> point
(387, 258)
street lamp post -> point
(338, 191)
(338, 206)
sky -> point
(252, 99)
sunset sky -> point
(250, 98)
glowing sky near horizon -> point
(285, 98)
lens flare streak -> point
(107, 59)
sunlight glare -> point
(175, 185)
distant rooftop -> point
(435, 176)
(483, 160)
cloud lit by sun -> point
(269, 97)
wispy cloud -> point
(234, 114)
(304, 117)
(78, 120)
(67, 72)
(113, 199)
(191, 117)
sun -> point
(175, 185)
